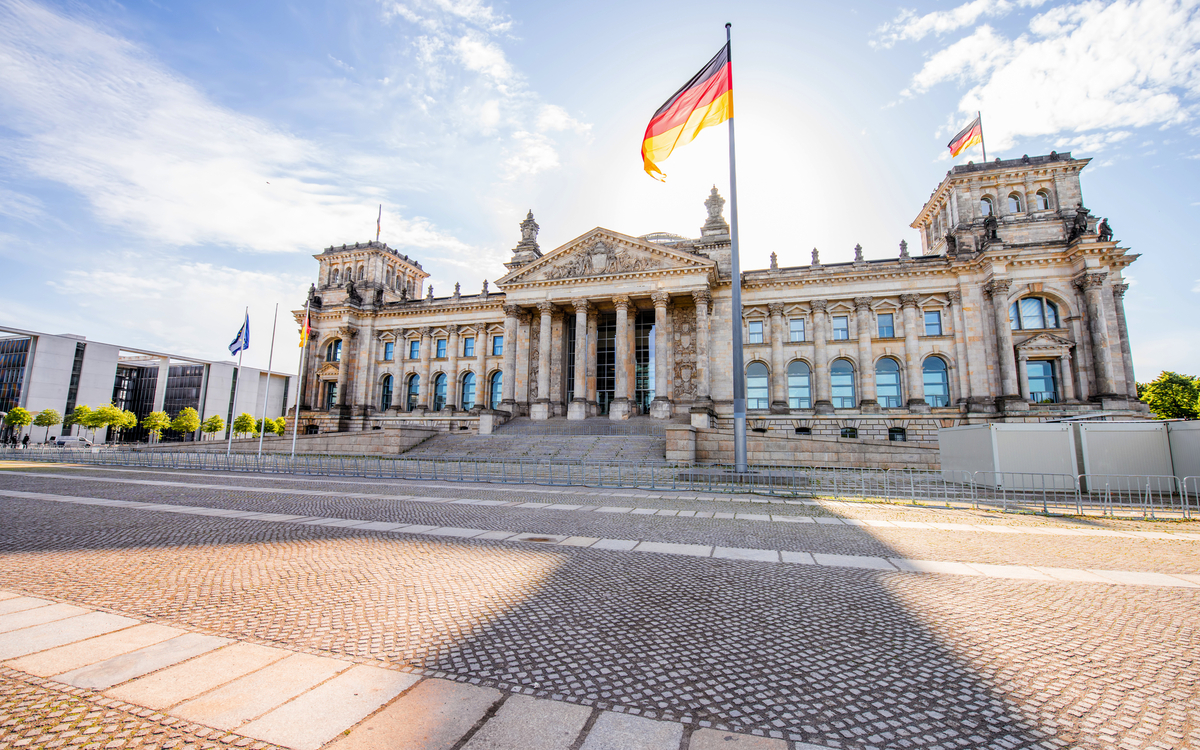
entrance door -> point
(643, 358)
(606, 360)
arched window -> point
(1043, 200)
(333, 276)
(496, 391)
(1033, 313)
(1014, 203)
(385, 393)
(468, 390)
(897, 434)
(333, 352)
(439, 391)
(985, 206)
(887, 383)
(387, 278)
(362, 273)
(414, 392)
(756, 386)
(841, 384)
(799, 381)
(937, 381)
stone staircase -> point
(635, 441)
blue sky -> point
(164, 165)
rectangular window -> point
(756, 332)
(933, 323)
(497, 346)
(414, 349)
(389, 351)
(441, 348)
(796, 329)
(841, 328)
(469, 346)
(887, 326)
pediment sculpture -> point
(602, 258)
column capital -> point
(819, 305)
(347, 332)
(621, 301)
(1119, 290)
(1023, 356)
(776, 309)
(452, 329)
(997, 287)
(955, 296)
(1090, 280)
(513, 311)
(701, 297)
(863, 304)
(910, 300)
(580, 305)
(546, 307)
(425, 331)
(660, 299)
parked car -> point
(72, 441)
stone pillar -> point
(452, 401)
(343, 382)
(779, 402)
(1065, 379)
(160, 386)
(540, 409)
(660, 407)
(512, 319)
(481, 378)
(866, 359)
(1010, 397)
(1023, 374)
(593, 325)
(912, 353)
(1092, 286)
(702, 299)
(622, 406)
(823, 404)
(425, 394)
(577, 409)
(1126, 354)
(960, 345)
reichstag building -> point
(1010, 311)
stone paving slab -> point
(737, 553)
(249, 697)
(194, 677)
(18, 603)
(41, 637)
(614, 731)
(434, 715)
(525, 723)
(316, 717)
(93, 650)
(134, 664)
(710, 739)
(27, 618)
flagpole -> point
(739, 375)
(300, 377)
(267, 394)
(237, 384)
(982, 145)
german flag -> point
(705, 100)
(967, 137)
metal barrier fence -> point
(1003, 491)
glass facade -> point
(606, 360)
(133, 390)
(14, 353)
(643, 359)
(76, 374)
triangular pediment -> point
(602, 252)
(327, 370)
(1045, 342)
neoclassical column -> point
(823, 404)
(1092, 286)
(512, 319)
(997, 289)
(866, 359)
(452, 402)
(660, 407)
(960, 344)
(1118, 291)
(348, 333)
(577, 409)
(425, 394)
(481, 370)
(621, 406)
(540, 409)
(593, 337)
(910, 304)
(779, 400)
(1065, 378)
(702, 298)
(1023, 374)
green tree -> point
(155, 422)
(105, 416)
(47, 418)
(212, 425)
(186, 421)
(1172, 396)
(18, 417)
(280, 425)
(128, 420)
(243, 424)
(78, 416)
(273, 426)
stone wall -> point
(363, 443)
(716, 446)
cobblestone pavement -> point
(837, 657)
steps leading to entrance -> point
(586, 441)
(636, 426)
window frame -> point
(414, 350)
(937, 318)
(850, 433)
(497, 345)
(440, 389)
(389, 351)
(466, 393)
(835, 329)
(1040, 197)
(1053, 376)
(412, 391)
(891, 328)
(897, 435)
(496, 389)
(755, 331)
(852, 385)
(469, 346)
(1018, 200)
(793, 329)
(385, 392)
(986, 200)
(441, 347)
(333, 351)
(1047, 307)
(803, 392)
(889, 401)
(755, 401)
(945, 373)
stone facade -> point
(1012, 312)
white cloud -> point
(1092, 66)
(553, 118)
(479, 55)
(1196, 288)
(534, 153)
(153, 156)
(908, 26)
(20, 206)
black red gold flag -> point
(967, 137)
(705, 100)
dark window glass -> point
(497, 346)
(897, 434)
(414, 392)
(1042, 386)
(441, 348)
(497, 389)
(333, 352)
(330, 395)
(850, 432)
(468, 391)
(389, 351)
(385, 393)
(439, 391)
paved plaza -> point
(143, 608)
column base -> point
(823, 407)
(1012, 403)
(661, 408)
(869, 407)
(779, 407)
(509, 405)
(918, 406)
(1112, 401)
(620, 408)
(593, 409)
(540, 410)
(577, 410)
